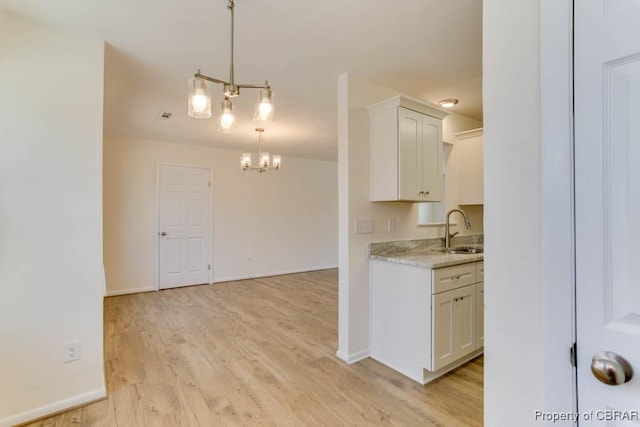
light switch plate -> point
(365, 226)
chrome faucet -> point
(447, 236)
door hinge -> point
(209, 266)
(573, 354)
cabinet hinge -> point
(209, 266)
(573, 354)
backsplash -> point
(385, 248)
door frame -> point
(157, 215)
(557, 203)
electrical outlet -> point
(391, 225)
(71, 351)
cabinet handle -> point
(426, 193)
(456, 299)
(461, 298)
(456, 277)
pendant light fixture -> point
(200, 97)
(265, 160)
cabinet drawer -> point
(446, 279)
(480, 271)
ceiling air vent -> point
(164, 116)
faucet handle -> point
(453, 234)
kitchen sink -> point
(461, 250)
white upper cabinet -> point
(406, 151)
(470, 166)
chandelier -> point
(200, 98)
(265, 160)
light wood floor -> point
(257, 352)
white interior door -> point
(607, 167)
(184, 226)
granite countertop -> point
(421, 253)
(429, 259)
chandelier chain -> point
(231, 8)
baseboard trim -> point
(226, 279)
(275, 273)
(54, 408)
(353, 357)
(129, 291)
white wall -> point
(51, 276)
(354, 96)
(528, 188)
(285, 221)
(526, 368)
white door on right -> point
(607, 197)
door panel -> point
(443, 333)
(410, 146)
(465, 321)
(607, 197)
(173, 256)
(172, 208)
(194, 256)
(195, 209)
(432, 179)
(185, 216)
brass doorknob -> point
(611, 368)
(163, 233)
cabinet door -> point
(406, 154)
(432, 159)
(465, 321)
(442, 338)
(454, 325)
(409, 154)
(479, 315)
(470, 164)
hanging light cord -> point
(231, 6)
(231, 83)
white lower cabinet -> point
(454, 325)
(425, 322)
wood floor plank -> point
(257, 352)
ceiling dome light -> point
(448, 103)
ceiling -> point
(428, 49)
